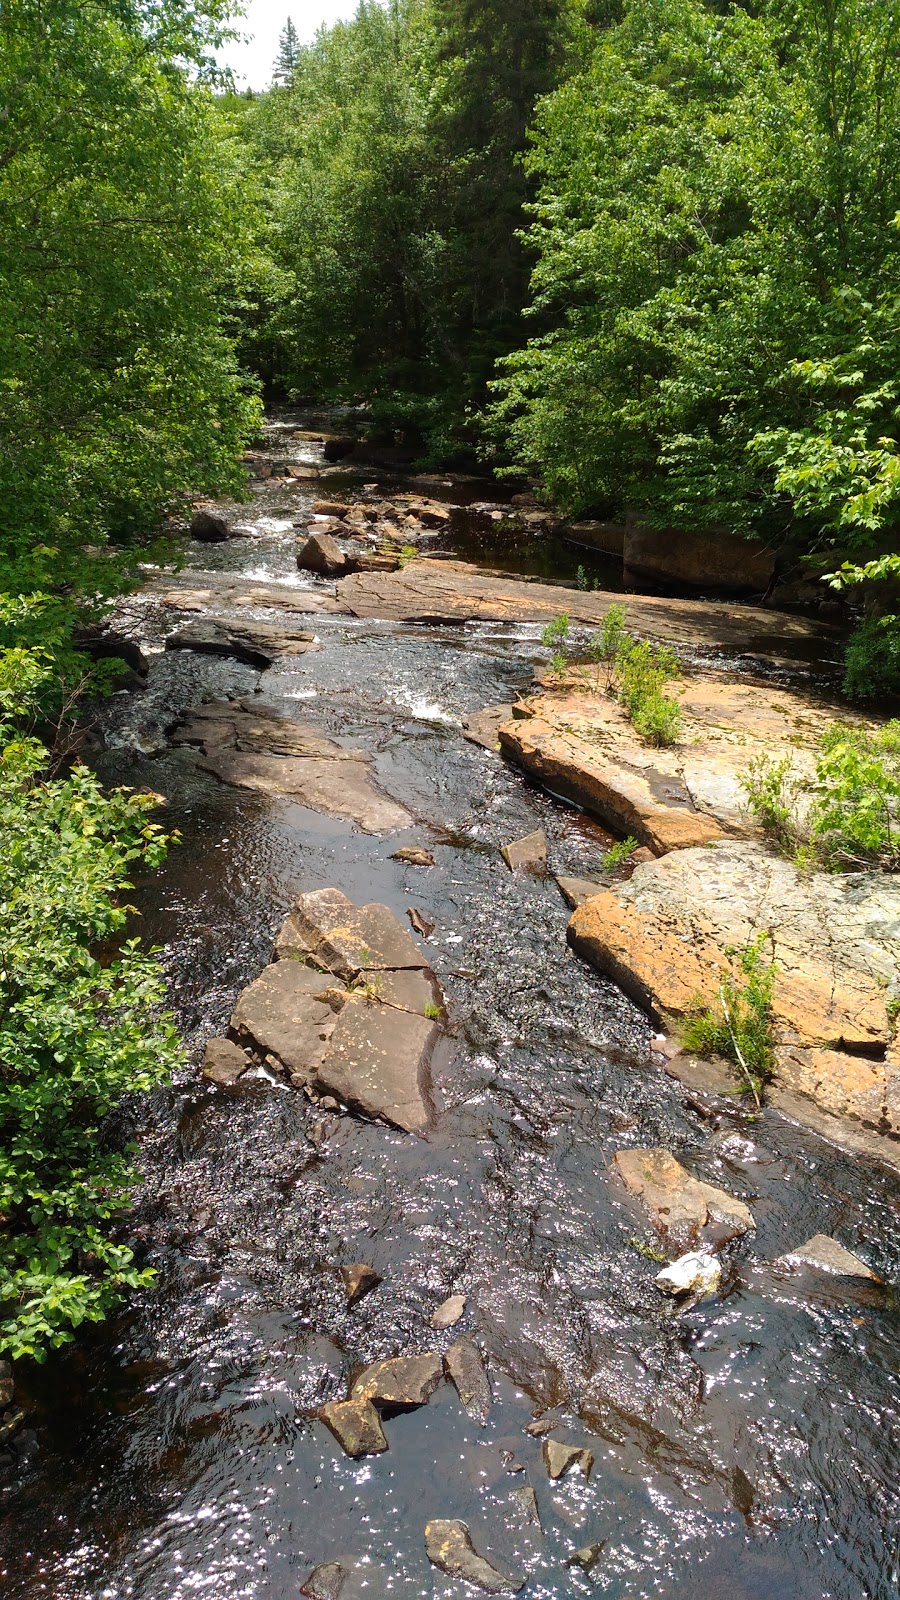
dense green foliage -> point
(634, 670)
(80, 1026)
(119, 237)
(848, 816)
(392, 271)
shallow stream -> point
(745, 1449)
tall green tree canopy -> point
(120, 239)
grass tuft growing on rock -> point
(739, 1026)
(636, 673)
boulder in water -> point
(449, 1547)
(209, 527)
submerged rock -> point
(255, 748)
(359, 1280)
(559, 1458)
(326, 1582)
(685, 1210)
(827, 1255)
(356, 1425)
(466, 1370)
(449, 1312)
(695, 1274)
(449, 1547)
(587, 1556)
(528, 854)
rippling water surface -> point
(746, 1449)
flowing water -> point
(746, 1448)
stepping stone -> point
(224, 1062)
(576, 890)
(377, 1062)
(829, 1256)
(685, 1211)
(327, 1582)
(449, 1312)
(528, 854)
(524, 1501)
(559, 1458)
(356, 1425)
(403, 1381)
(465, 1368)
(359, 1280)
(449, 1547)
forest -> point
(643, 254)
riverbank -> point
(187, 1442)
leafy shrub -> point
(556, 637)
(77, 1032)
(849, 815)
(642, 669)
(740, 1026)
(872, 661)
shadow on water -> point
(746, 1448)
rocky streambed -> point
(465, 1285)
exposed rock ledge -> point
(578, 744)
(663, 936)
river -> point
(747, 1448)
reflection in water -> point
(744, 1449)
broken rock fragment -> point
(224, 1062)
(327, 1582)
(323, 555)
(587, 1556)
(686, 1211)
(466, 1371)
(828, 1256)
(402, 1381)
(559, 1458)
(528, 854)
(359, 1279)
(356, 1425)
(449, 1312)
(413, 855)
(449, 1547)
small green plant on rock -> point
(739, 1027)
(432, 1012)
(642, 669)
(556, 637)
(618, 853)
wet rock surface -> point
(257, 643)
(528, 854)
(178, 1448)
(827, 1255)
(255, 749)
(449, 1546)
(357, 1023)
(685, 1211)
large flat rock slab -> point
(256, 643)
(665, 937)
(349, 1008)
(457, 591)
(253, 748)
(218, 591)
(578, 744)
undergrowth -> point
(848, 815)
(634, 670)
(739, 1025)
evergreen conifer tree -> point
(288, 55)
